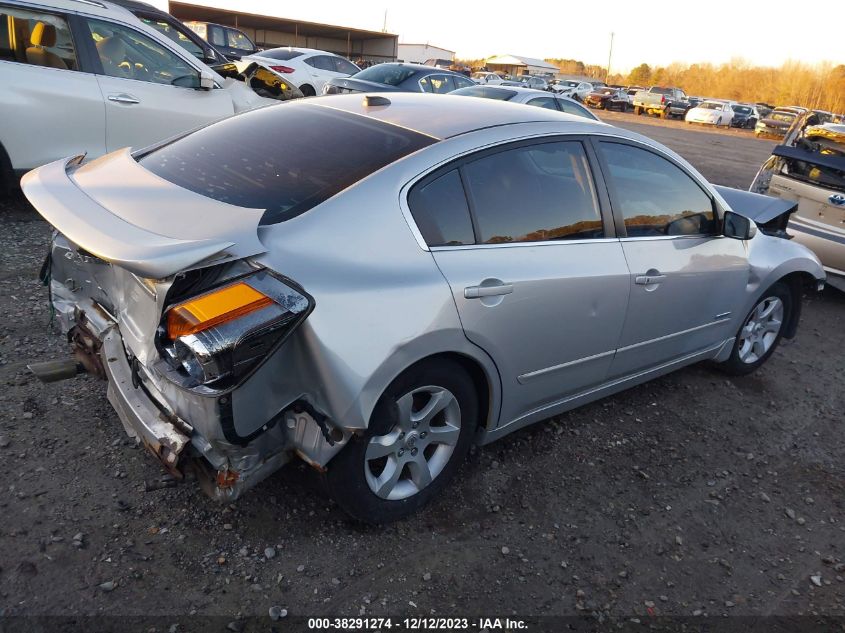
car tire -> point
(637, 110)
(397, 466)
(761, 331)
(307, 90)
(7, 175)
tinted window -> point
(321, 62)
(534, 193)
(285, 160)
(167, 29)
(655, 196)
(486, 92)
(344, 66)
(438, 84)
(36, 38)
(238, 40)
(389, 74)
(440, 210)
(463, 82)
(570, 107)
(543, 102)
(218, 38)
(282, 54)
(127, 54)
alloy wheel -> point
(761, 330)
(405, 460)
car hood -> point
(118, 211)
(361, 85)
(755, 206)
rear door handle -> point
(646, 280)
(476, 292)
(124, 98)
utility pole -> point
(384, 26)
(609, 55)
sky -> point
(657, 33)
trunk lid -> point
(120, 212)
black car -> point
(745, 116)
(398, 77)
(170, 27)
(233, 42)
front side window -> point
(344, 66)
(36, 38)
(534, 193)
(440, 210)
(463, 82)
(127, 54)
(655, 196)
(218, 37)
(570, 107)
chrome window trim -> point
(469, 247)
(412, 225)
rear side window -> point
(534, 193)
(655, 196)
(440, 210)
(438, 84)
(570, 107)
(36, 38)
(285, 159)
(543, 102)
(344, 66)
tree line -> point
(816, 86)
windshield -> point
(169, 31)
(285, 160)
(742, 109)
(786, 117)
(710, 105)
(485, 92)
(388, 74)
(282, 54)
(661, 91)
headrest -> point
(111, 48)
(43, 35)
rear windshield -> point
(710, 105)
(782, 116)
(502, 94)
(282, 54)
(286, 158)
(661, 91)
(389, 74)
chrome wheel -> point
(402, 462)
(761, 330)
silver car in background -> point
(374, 282)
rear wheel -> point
(761, 331)
(307, 90)
(637, 110)
(419, 434)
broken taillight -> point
(283, 69)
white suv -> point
(85, 76)
(306, 68)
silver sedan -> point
(372, 283)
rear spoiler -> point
(118, 211)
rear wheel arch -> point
(308, 90)
(797, 282)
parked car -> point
(92, 78)
(659, 100)
(528, 81)
(808, 169)
(176, 30)
(306, 68)
(718, 113)
(232, 42)
(429, 316)
(778, 121)
(482, 77)
(399, 77)
(527, 96)
(745, 116)
(608, 99)
(445, 64)
(632, 90)
(572, 88)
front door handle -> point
(477, 292)
(124, 98)
(647, 280)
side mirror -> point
(206, 80)
(738, 227)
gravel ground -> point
(696, 494)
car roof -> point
(298, 49)
(444, 116)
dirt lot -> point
(696, 494)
